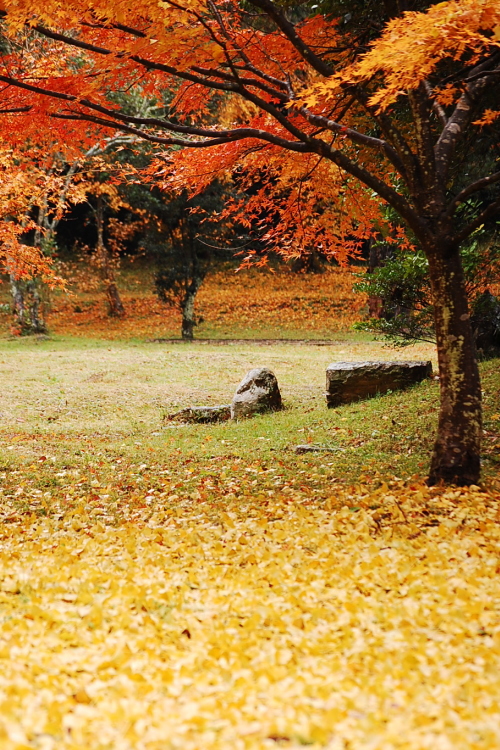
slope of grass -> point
(82, 403)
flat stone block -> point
(353, 381)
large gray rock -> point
(353, 381)
(258, 392)
(202, 414)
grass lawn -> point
(184, 587)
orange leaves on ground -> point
(313, 302)
(231, 304)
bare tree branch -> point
(441, 114)
(460, 119)
(470, 189)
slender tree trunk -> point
(115, 305)
(27, 307)
(35, 307)
(188, 321)
(187, 307)
(456, 455)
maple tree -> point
(21, 189)
(330, 126)
(61, 184)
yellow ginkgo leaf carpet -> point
(256, 624)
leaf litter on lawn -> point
(208, 618)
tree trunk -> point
(27, 307)
(456, 455)
(187, 304)
(187, 308)
(115, 305)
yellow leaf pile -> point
(370, 620)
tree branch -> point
(15, 110)
(425, 147)
(395, 137)
(472, 188)
(385, 191)
(356, 137)
(245, 81)
(440, 113)
(288, 29)
(216, 139)
(492, 210)
(460, 119)
(148, 64)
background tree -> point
(342, 127)
(22, 186)
(103, 197)
(66, 178)
(186, 236)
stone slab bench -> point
(353, 381)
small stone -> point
(308, 448)
(202, 414)
(257, 393)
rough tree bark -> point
(115, 305)
(456, 454)
(27, 307)
(192, 287)
(187, 307)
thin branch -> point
(248, 66)
(385, 191)
(394, 136)
(355, 136)
(215, 140)
(15, 110)
(459, 120)
(486, 74)
(438, 109)
(116, 115)
(492, 210)
(289, 31)
(419, 104)
(473, 188)
(245, 81)
(148, 64)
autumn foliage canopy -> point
(294, 114)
